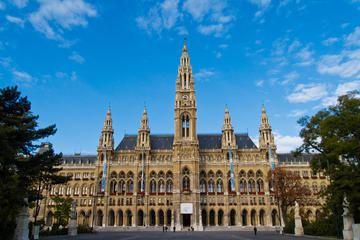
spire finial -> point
(184, 48)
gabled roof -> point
(206, 141)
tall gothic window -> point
(186, 183)
(185, 126)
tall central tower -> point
(186, 197)
(185, 102)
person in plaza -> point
(255, 230)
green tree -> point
(334, 135)
(62, 210)
(20, 169)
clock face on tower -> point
(185, 98)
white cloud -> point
(305, 55)
(259, 83)
(346, 64)
(261, 3)
(223, 46)
(169, 12)
(307, 92)
(290, 77)
(203, 75)
(76, 57)
(297, 113)
(62, 75)
(330, 41)
(286, 144)
(218, 54)
(54, 16)
(344, 88)
(213, 11)
(353, 39)
(19, 3)
(23, 78)
(15, 20)
(216, 29)
(182, 30)
(161, 16)
(294, 45)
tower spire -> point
(185, 101)
(143, 139)
(106, 139)
(228, 136)
(266, 139)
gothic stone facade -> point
(186, 175)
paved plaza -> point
(244, 235)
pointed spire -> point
(263, 109)
(227, 119)
(185, 50)
(143, 139)
(106, 138)
(228, 138)
(144, 120)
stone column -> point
(299, 230)
(200, 227)
(348, 221)
(172, 220)
(178, 225)
(22, 221)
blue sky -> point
(73, 58)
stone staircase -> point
(240, 228)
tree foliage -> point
(287, 188)
(334, 135)
(62, 210)
(20, 168)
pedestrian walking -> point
(174, 228)
(255, 230)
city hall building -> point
(182, 180)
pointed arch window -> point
(185, 126)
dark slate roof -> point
(78, 159)
(206, 141)
(288, 157)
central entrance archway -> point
(186, 220)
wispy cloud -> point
(259, 83)
(23, 78)
(182, 30)
(307, 92)
(161, 16)
(203, 75)
(76, 57)
(55, 16)
(19, 3)
(353, 39)
(289, 77)
(15, 20)
(330, 41)
(297, 113)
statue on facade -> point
(72, 230)
(299, 230)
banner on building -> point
(186, 208)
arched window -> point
(185, 126)
(202, 186)
(260, 185)
(153, 186)
(211, 186)
(251, 186)
(130, 186)
(169, 186)
(219, 186)
(161, 186)
(186, 183)
(242, 186)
